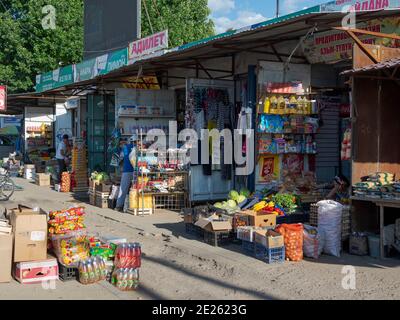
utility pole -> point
(277, 8)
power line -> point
(162, 20)
(148, 16)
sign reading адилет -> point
(360, 5)
(147, 45)
(333, 46)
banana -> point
(260, 205)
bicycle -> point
(7, 185)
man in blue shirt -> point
(127, 171)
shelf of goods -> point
(287, 121)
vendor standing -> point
(62, 155)
(129, 161)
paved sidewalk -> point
(178, 266)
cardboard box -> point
(30, 234)
(5, 227)
(261, 219)
(36, 271)
(6, 243)
(42, 179)
(214, 225)
(269, 239)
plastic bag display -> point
(71, 248)
(330, 224)
(293, 238)
(313, 242)
(92, 270)
(65, 221)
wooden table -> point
(382, 204)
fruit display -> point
(99, 177)
(65, 221)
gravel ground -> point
(178, 266)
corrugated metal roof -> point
(389, 64)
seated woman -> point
(341, 189)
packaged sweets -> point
(65, 221)
(71, 248)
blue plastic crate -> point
(248, 247)
(274, 255)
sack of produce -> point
(330, 224)
(293, 238)
(313, 242)
(71, 248)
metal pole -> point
(277, 8)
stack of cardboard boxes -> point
(25, 247)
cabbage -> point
(232, 204)
(218, 205)
(233, 195)
(241, 198)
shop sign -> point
(359, 5)
(85, 70)
(54, 79)
(111, 61)
(148, 45)
(333, 46)
(3, 98)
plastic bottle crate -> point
(248, 247)
(218, 238)
(67, 273)
(194, 230)
(274, 255)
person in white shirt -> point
(62, 155)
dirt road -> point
(178, 266)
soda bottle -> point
(124, 279)
(97, 271)
(103, 268)
(138, 254)
(91, 271)
(83, 273)
(119, 278)
(130, 283)
(135, 273)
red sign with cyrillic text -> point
(148, 45)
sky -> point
(240, 13)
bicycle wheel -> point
(7, 189)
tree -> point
(186, 20)
(28, 49)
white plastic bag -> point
(313, 243)
(330, 224)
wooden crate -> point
(141, 212)
(42, 179)
(92, 199)
(101, 202)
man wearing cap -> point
(62, 154)
(127, 172)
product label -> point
(38, 236)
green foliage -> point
(186, 20)
(27, 49)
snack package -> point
(71, 248)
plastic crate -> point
(274, 255)
(293, 218)
(67, 273)
(194, 230)
(248, 247)
(217, 238)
